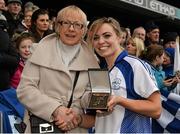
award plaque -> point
(100, 89)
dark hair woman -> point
(40, 24)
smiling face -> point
(71, 35)
(105, 41)
(24, 48)
(105, 36)
(71, 25)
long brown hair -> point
(151, 52)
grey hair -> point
(67, 10)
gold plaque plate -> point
(98, 101)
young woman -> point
(135, 46)
(133, 102)
(40, 24)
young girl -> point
(133, 102)
(155, 56)
(23, 44)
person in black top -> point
(13, 15)
(152, 34)
(40, 24)
(9, 58)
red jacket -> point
(15, 79)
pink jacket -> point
(15, 79)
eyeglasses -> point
(67, 24)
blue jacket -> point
(10, 105)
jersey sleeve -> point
(144, 85)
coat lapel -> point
(46, 55)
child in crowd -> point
(168, 63)
(23, 44)
(154, 55)
(170, 40)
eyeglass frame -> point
(68, 24)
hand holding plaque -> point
(100, 89)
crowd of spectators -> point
(23, 27)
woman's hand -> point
(113, 101)
(63, 118)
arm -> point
(32, 97)
(87, 121)
(73, 119)
(150, 107)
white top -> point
(129, 79)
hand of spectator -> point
(177, 79)
(168, 82)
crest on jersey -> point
(116, 84)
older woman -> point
(47, 81)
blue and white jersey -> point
(129, 79)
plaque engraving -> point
(100, 89)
